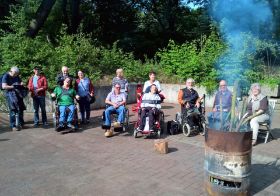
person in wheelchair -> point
(221, 106)
(116, 101)
(65, 96)
(150, 107)
(189, 100)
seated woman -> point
(65, 96)
(257, 109)
(150, 104)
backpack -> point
(173, 127)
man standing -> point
(64, 74)
(38, 85)
(12, 84)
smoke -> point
(240, 23)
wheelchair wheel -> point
(135, 133)
(203, 129)
(159, 133)
(126, 121)
(186, 129)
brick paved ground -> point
(39, 161)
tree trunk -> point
(75, 15)
(41, 16)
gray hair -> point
(256, 86)
(15, 69)
(190, 80)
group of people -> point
(81, 88)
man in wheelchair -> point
(189, 100)
(116, 101)
(221, 107)
(150, 106)
(65, 95)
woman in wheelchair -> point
(65, 96)
(116, 101)
(150, 107)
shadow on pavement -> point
(264, 175)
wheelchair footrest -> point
(105, 127)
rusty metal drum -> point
(227, 163)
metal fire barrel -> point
(227, 162)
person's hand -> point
(115, 105)
(77, 97)
(214, 109)
(197, 105)
(187, 105)
(52, 95)
(92, 94)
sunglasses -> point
(118, 87)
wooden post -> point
(161, 146)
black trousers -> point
(151, 113)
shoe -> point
(87, 121)
(70, 126)
(117, 124)
(45, 124)
(59, 128)
(14, 129)
(108, 133)
(36, 125)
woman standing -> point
(84, 89)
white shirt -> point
(148, 83)
(150, 97)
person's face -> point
(67, 82)
(14, 74)
(152, 77)
(81, 74)
(36, 71)
(189, 84)
(117, 89)
(153, 89)
(119, 74)
(223, 86)
(65, 71)
(256, 91)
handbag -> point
(90, 99)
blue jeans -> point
(39, 101)
(215, 121)
(120, 111)
(13, 114)
(84, 108)
(63, 115)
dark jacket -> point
(60, 79)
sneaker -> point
(45, 124)
(59, 128)
(70, 126)
(36, 125)
(14, 129)
(117, 124)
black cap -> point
(37, 68)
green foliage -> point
(195, 59)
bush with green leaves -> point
(195, 59)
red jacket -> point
(42, 83)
